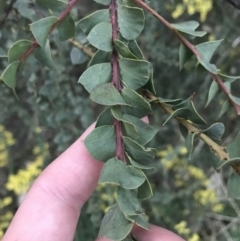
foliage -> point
(120, 77)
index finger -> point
(52, 207)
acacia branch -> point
(116, 77)
(191, 47)
(61, 17)
(88, 51)
(219, 151)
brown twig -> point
(116, 77)
(191, 47)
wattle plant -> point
(119, 77)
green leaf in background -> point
(129, 3)
(43, 55)
(139, 220)
(235, 99)
(187, 110)
(123, 50)
(215, 131)
(233, 186)
(100, 57)
(183, 130)
(114, 225)
(101, 143)
(18, 49)
(9, 74)
(96, 75)
(128, 177)
(145, 190)
(41, 28)
(131, 22)
(137, 105)
(229, 163)
(225, 107)
(134, 73)
(170, 102)
(107, 94)
(137, 152)
(128, 202)
(189, 27)
(213, 90)
(233, 148)
(101, 37)
(105, 118)
(229, 78)
(66, 29)
(54, 5)
(104, 2)
(184, 55)
(78, 56)
(189, 143)
(142, 132)
(90, 21)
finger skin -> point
(52, 207)
(155, 234)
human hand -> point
(52, 207)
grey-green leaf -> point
(105, 118)
(233, 148)
(18, 49)
(100, 57)
(134, 73)
(128, 202)
(107, 94)
(96, 75)
(213, 90)
(9, 74)
(114, 225)
(78, 56)
(142, 132)
(131, 21)
(215, 131)
(66, 29)
(104, 2)
(139, 220)
(101, 37)
(235, 99)
(145, 190)
(233, 186)
(43, 55)
(90, 21)
(189, 28)
(184, 55)
(116, 172)
(123, 50)
(101, 143)
(138, 152)
(137, 105)
(41, 28)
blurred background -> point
(53, 110)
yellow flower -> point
(217, 208)
(5, 202)
(194, 237)
(182, 228)
(197, 173)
